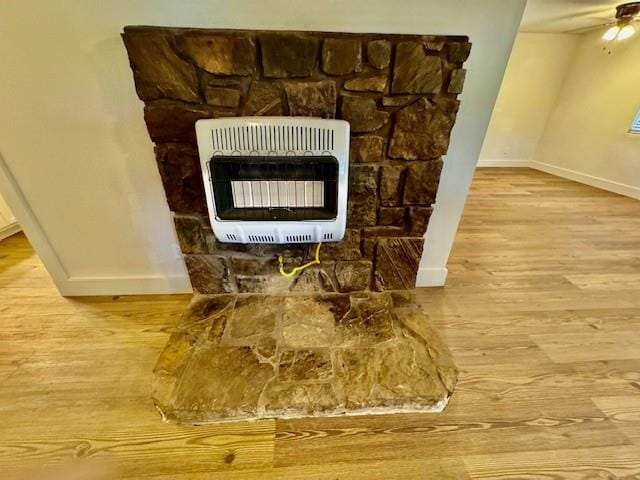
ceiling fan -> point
(621, 27)
(626, 15)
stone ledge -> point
(246, 357)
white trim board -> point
(431, 277)
(8, 230)
(598, 182)
(131, 285)
(503, 162)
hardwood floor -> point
(541, 309)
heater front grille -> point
(275, 179)
(275, 188)
(267, 138)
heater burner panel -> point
(274, 188)
(277, 194)
(275, 179)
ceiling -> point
(567, 16)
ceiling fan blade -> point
(589, 28)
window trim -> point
(635, 124)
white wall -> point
(586, 138)
(8, 223)
(77, 166)
(537, 67)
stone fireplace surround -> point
(341, 338)
(398, 92)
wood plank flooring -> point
(541, 309)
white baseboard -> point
(9, 230)
(122, 285)
(502, 162)
(598, 182)
(431, 277)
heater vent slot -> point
(272, 138)
(232, 236)
(262, 238)
(298, 238)
(327, 236)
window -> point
(635, 125)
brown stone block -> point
(422, 129)
(371, 83)
(391, 216)
(314, 280)
(379, 53)
(157, 70)
(219, 54)
(203, 312)
(369, 247)
(458, 52)
(301, 365)
(208, 273)
(307, 323)
(308, 399)
(354, 275)
(264, 98)
(346, 249)
(288, 55)
(414, 71)
(366, 149)
(190, 233)
(341, 56)
(383, 231)
(363, 187)
(397, 261)
(434, 44)
(212, 369)
(407, 374)
(422, 181)
(419, 220)
(272, 283)
(255, 316)
(338, 305)
(312, 99)
(398, 101)
(171, 121)
(362, 114)
(254, 265)
(179, 167)
(391, 180)
(457, 80)
(222, 97)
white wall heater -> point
(275, 179)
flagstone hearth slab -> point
(243, 357)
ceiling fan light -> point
(612, 33)
(626, 32)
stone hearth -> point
(322, 343)
(235, 357)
